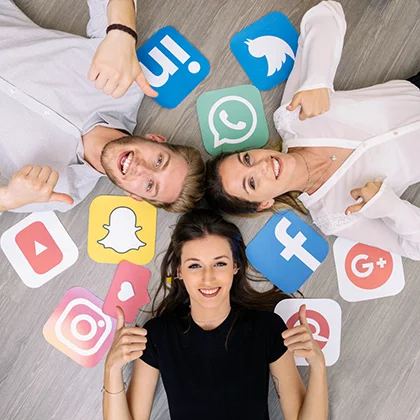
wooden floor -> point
(377, 376)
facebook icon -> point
(287, 251)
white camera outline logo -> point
(106, 321)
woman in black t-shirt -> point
(214, 340)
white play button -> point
(39, 248)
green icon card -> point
(232, 119)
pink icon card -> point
(128, 290)
(79, 328)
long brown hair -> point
(198, 224)
(219, 200)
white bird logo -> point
(274, 49)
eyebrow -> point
(157, 188)
(166, 163)
(217, 258)
(244, 180)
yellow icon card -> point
(121, 228)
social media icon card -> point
(121, 228)
(128, 290)
(267, 50)
(324, 320)
(287, 251)
(79, 328)
(172, 66)
(365, 272)
(232, 119)
(39, 248)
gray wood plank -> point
(377, 374)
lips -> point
(276, 167)
(210, 292)
(124, 162)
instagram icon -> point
(79, 328)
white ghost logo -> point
(121, 236)
(274, 49)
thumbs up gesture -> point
(312, 102)
(34, 184)
(128, 344)
(300, 342)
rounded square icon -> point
(121, 228)
(128, 290)
(39, 248)
(232, 119)
(172, 66)
(287, 251)
(365, 272)
(324, 320)
(79, 328)
(267, 50)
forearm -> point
(122, 12)
(315, 405)
(115, 407)
(322, 36)
(4, 206)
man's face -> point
(145, 168)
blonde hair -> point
(193, 189)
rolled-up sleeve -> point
(98, 21)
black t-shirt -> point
(218, 374)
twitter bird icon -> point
(266, 50)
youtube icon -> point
(39, 248)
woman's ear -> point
(235, 269)
(179, 273)
(265, 205)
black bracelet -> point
(117, 26)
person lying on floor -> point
(68, 107)
(349, 154)
(215, 340)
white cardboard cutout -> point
(39, 248)
(366, 272)
(325, 317)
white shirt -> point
(47, 102)
(381, 123)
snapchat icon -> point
(121, 228)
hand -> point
(300, 342)
(114, 73)
(128, 345)
(34, 184)
(366, 193)
(312, 102)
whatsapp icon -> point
(232, 119)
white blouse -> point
(381, 123)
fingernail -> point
(348, 212)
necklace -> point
(332, 159)
(213, 320)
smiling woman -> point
(214, 340)
(346, 157)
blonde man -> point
(68, 107)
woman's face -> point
(258, 175)
(207, 269)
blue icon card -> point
(172, 66)
(267, 50)
(287, 251)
